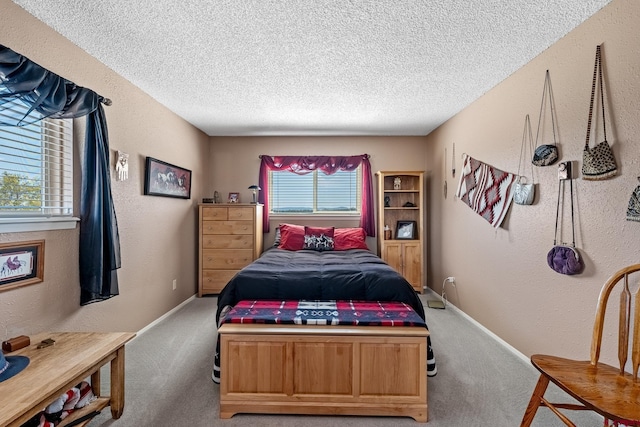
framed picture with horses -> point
(167, 180)
(21, 264)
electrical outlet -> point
(175, 284)
(451, 279)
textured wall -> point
(157, 234)
(502, 277)
(234, 161)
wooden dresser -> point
(230, 238)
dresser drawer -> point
(227, 227)
(212, 213)
(214, 280)
(241, 213)
(227, 241)
(226, 259)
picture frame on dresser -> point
(21, 264)
(166, 180)
(406, 230)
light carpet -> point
(479, 382)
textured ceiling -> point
(314, 67)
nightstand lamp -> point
(254, 190)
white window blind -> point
(315, 192)
(36, 168)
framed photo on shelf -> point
(234, 197)
(406, 230)
(21, 264)
(167, 180)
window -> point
(315, 192)
(36, 171)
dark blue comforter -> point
(356, 274)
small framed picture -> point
(406, 230)
(21, 263)
(234, 197)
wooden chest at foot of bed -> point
(332, 370)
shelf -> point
(97, 405)
(401, 191)
(401, 208)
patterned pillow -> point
(318, 238)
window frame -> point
(58, 181)
(317, 213)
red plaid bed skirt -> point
(353, 313)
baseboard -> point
(164, 316)
(505, 344)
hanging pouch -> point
(563, 258)
(598, 163)
(546, 154)
(524, 192)
(633, 210)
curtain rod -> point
(365, 155)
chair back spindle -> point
(624, 318)
(635, 348)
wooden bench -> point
(332, 370)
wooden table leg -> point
(95, 383)
(117, 384)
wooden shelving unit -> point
(402, 201)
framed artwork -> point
(234, 197)
(406, 230)
(21, 264)
(167, 180)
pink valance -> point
(302, 165)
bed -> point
(310, 274)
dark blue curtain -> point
(46, 94)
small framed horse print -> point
(234, 198)
(167, 180)
(21, 264)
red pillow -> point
(349, 238)
(317, 231)
(291, 237)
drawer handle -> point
(209, 259)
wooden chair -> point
(609, 391)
